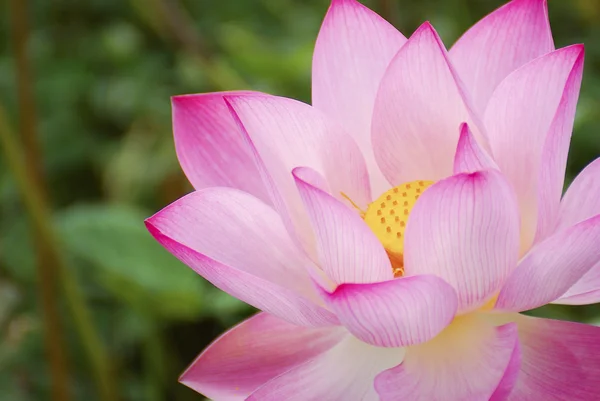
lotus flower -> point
(392, 232)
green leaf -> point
(130, 262)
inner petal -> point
(388, 215)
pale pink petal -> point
(513, 35)
(254, 352)
(554, 155)
(464, 229)
(395, 313)
(210, 148)
(470, 361)
(345, 372)
(524, 110)
(511, 374)
(348, 250)
(238, 230)
(581, 201)
(255, 291)
(560, 361)
(241, 246)
(552, 267)
(470, 157)
(353, 49)
(284, 134)
(585, 291)
(419, 108)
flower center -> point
(387, 218)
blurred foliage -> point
(103, 72)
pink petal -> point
(353, 49)
(552, 267)
(254, 352)
(464, 229)
(418, 111)
(581, 199)
(211, 151)
(470, 157)
(240, 245)
(519, 132)
(348, 250)
(554, 155)
(579, 203)
(586, 291)
(285, 134)
(395, 313)
(470, 361)
(560, 361)
(500, 43)
(343, 373)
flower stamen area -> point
(388, 215)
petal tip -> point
(575, 50)
(464, 128)
(580, 47)
(152, 228)
(426, 27)
(427, 32)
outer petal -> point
(241, 246)
(470, 157)
(345, 372)
(464, 229)
(519, 133)
(470, 361)
(560, 361)
(348, 250)
(254, 352)
(579, 203)
(210, 148)
(353, 49)
(581, 199)
(552, 267)
(554, 155)
(585, 291)
(419, 108)
(395, 313)
(284, 134)
(500, 43)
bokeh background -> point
(84, 92)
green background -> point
(102, 73)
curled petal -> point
(395, 313)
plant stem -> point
(42, 221)
(387, 10)
(46, 271)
